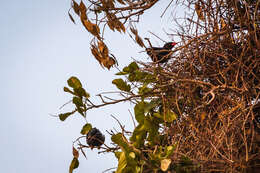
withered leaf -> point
(198, 9)
(96, 30)
(121, 2)
(111, 25)
(92, 28)
(223, 23)
(108, 4)
(109, 63)
(139, 40)
(82, 7)
(134, 31)
(101, 55)
(120, 26)
(76, 7)
(103, 48)
(75, 152)
(96, 54)
(216, 27)
(88, 25)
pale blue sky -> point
(40, 48)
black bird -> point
(161, 54)
(95, 138)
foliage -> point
(200, 111)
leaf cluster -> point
(115, 14)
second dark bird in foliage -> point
(95, 138)
(161, 54)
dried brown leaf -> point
(111, 25)
(139, 40)
(96, 54)
(75, 152)
(96, 30)
(103, 48)
(121, 2)
(109, 62)
(223, 23)
(120, 26)
(92, 28)
(82, 7)
(134, 31)
(108, 4)
(198, 9)
(76, 7)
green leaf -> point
(152, 127)
(77, 101)
(121, 163)
(169, 150)
(86, 128)
(66, 89)
(122, 73)
(131, 77)
(144, 90)
(74, 82)
(117, 138)
(131, 68)
(81, 111)
(74, 164)
(158, 115)
(147, 124)
(139, 136)
(152, 104)
(117, 154)
(81, 92)
(121, 140)
(132, 155)
(170, 116)
(64, 116)
(122, 85)
(81, 107)
(139, 76)
(139, 112)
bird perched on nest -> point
(161, 54)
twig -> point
(166, 8)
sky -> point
(40, 48)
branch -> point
(113, 102)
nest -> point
(213, 84)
